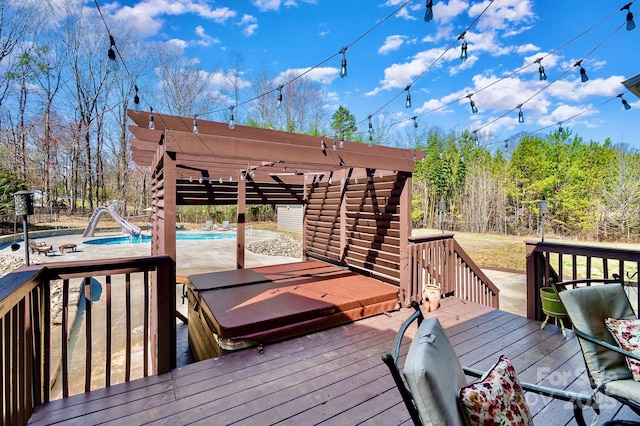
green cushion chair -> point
(588, 304)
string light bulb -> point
(136, 100)
(111, 54)
(463, 48)
(280, 95)
(342, 141)
(520, 114)
(415, 123)
(370, 131)
(152, 124)
(560, 129)
(583, 73)
(408, 101)
(624, 102)
(232, 121)
(195, 124)
(335, 148)
(630, 24)
(343, 64)
(323, 146)
(428, 14)
(543, 75)
(472, 104)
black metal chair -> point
(589, 303)
(434, 376)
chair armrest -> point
(606, 345)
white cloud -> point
(324, 75)
(146, 17)
(393, 42)
(502, 15)
(270, 5)
(178, 43)
(250, 24)
(267, 5)
(444, 13)
(205, 39)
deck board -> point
(335, 377)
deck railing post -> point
(163, 327)
(532, 289)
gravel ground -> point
(10, 262)
(282, 245)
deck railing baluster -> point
(146, 326)
(64, 338)
(127, 370)
(88, 335)
(108, 331)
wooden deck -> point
(335, 376)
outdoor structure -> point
(356, 198)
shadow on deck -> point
(335, 376)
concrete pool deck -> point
(192, 256)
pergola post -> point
(241, 210)
(405, 233)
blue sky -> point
(385, 56)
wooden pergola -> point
(356, 198)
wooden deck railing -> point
(439, 259)
(547, 261)
(35, 354)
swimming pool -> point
(147, 238)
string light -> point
(543, 75)
(428, 14)
(342, 141)
(343, 64)
(280, 95)
(560, 129)
(335, 148)
(323, 146)
(630, 24)
(520, 114)
(370, 131)
(408, 101)
(195, 124)
(583, 72)
(463, 48)
(624, 102)
(152, 124)
(415, 123)
(474, 109)
(136, 100)
(232, 123)
(113, 62)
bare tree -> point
(621, 192)
(16, 22)
(184, 88)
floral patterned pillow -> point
(497, 398)
(627, 334)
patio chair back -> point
(432, 372)
(588, 307)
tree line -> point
(63, 131)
